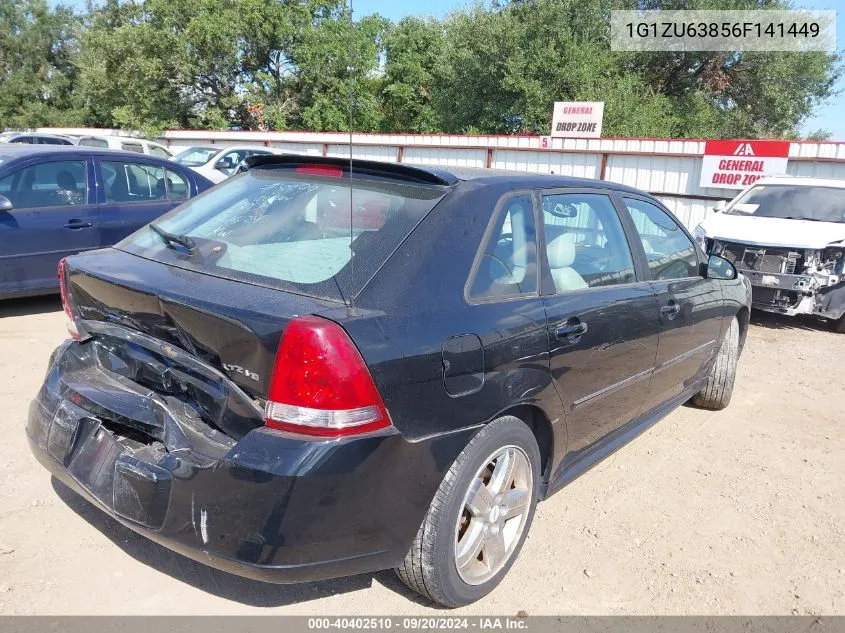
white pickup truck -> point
(787, 235)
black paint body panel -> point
(281, 507)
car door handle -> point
(571, 331)
(76, 223)
(670, 311)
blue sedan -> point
(56, 201)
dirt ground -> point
(736, 512)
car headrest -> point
(65, 180)
(561, 251)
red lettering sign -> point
(737, 164)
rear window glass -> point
(292, 231)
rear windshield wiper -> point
(171, 238)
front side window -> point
(195, 156)
(668, 250)
(506, 265)
(51, 184)
(585, 242)
(133, 182)
(230, 160)
(292, 231)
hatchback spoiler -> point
(422, 175)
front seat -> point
(561, 255)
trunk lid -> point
(204, 341)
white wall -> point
(445, 157)
(560, 163)
(668, 168)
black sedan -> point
(313, 371)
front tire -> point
(838, 325)
(716, 394)
(479, 518)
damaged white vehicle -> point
(787, 235)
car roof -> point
(532, 180)
(15, 151)
(35, 134)
(801, 181)
(441, 176)
(228, 147)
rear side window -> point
(94, 142)
(294, 231)
(155, 150)
(51, 184)
(132, 147)
(177, 186)
(133, 182)
(49, 140)
(670, 253)
(506, 264)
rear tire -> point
(716, 394)
(480, 514)
(838, 325)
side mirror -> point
(720, 206)
(5, 204)
(720, 268)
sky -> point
(831, 116)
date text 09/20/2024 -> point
(419, 623)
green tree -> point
(412, 51)
(504, 67)
(337, 61)
(505, 64)
(131, 74)
(493, 68)
(735, 94)
(37, 46)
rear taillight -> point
(320, 384)
(71, 324)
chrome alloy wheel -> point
(494, 514)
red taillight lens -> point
(330, 171)
(71, 325)
(320, 384)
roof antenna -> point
(351, 70)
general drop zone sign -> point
(577, 119)
(737, 164)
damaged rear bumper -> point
(275, 507)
